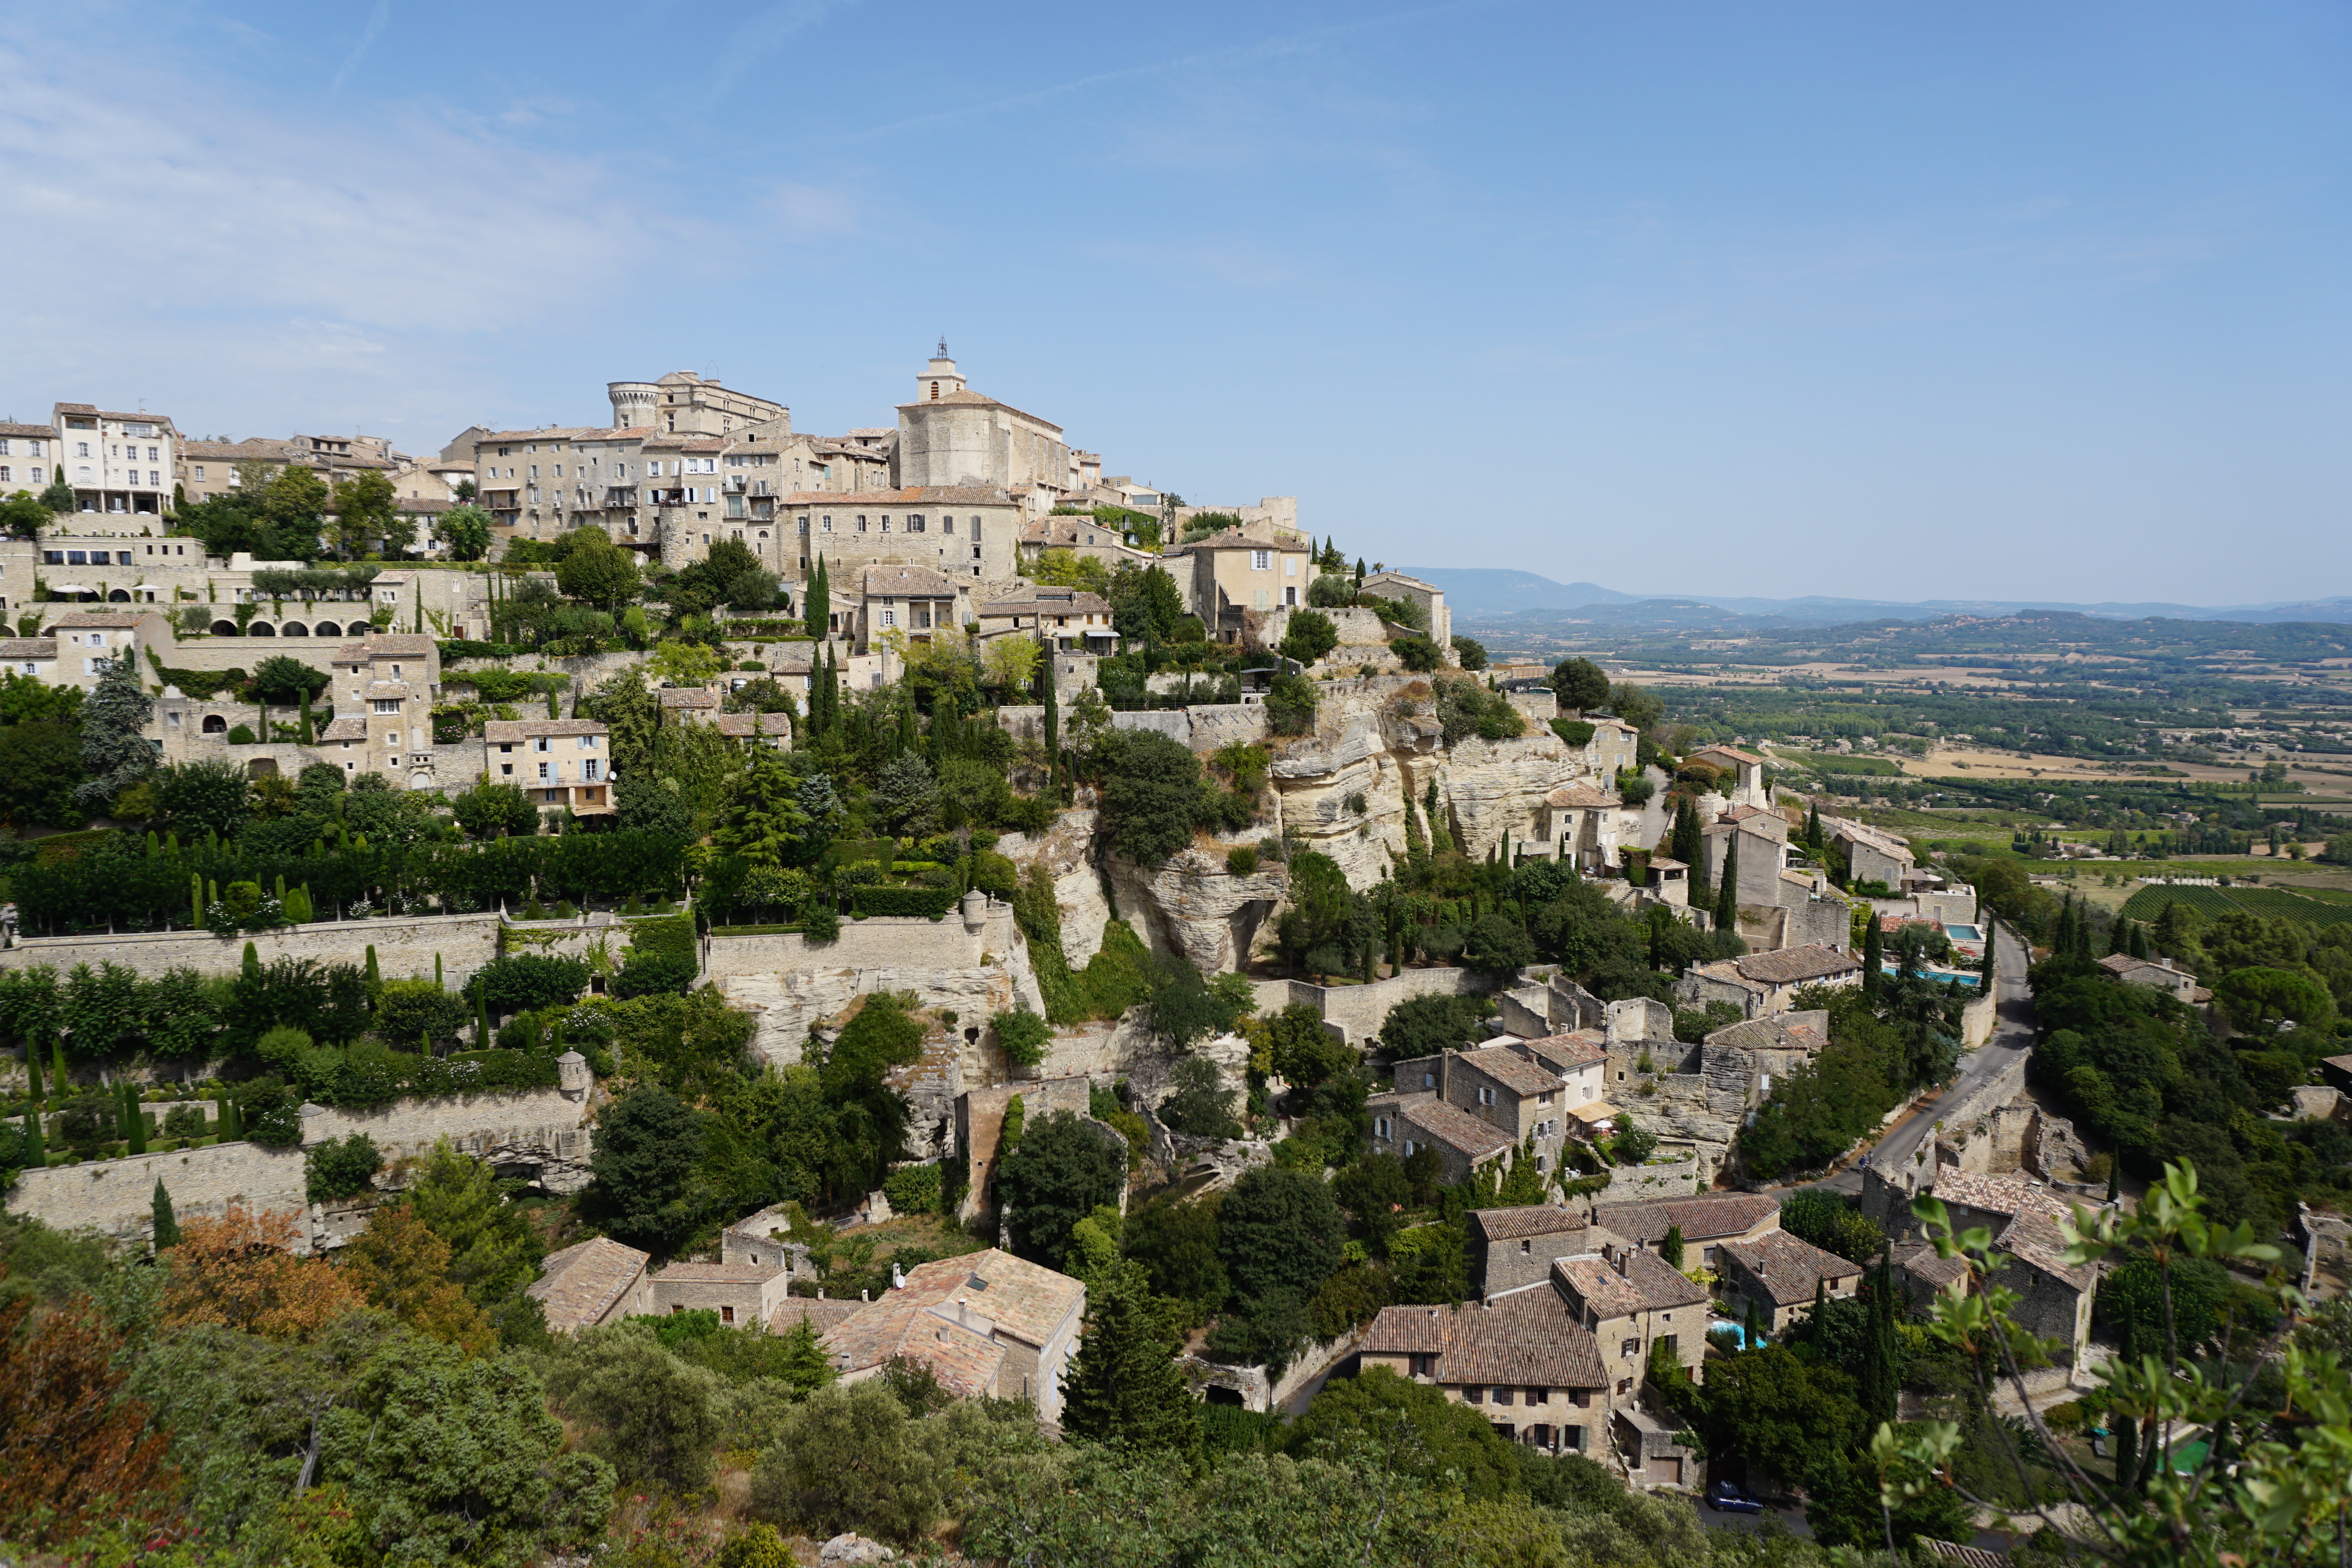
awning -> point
(70, 588)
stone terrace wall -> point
(404, 946)
(540, 1126)
(1358, 1012)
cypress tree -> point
(438, 984)
(1813, 826)
(195, 898)
(482, 1020)
(1754, 1325)
(251, 968)
(1821, 1300)
(2138, 940)
(57, 1062)
(1726, 902)
(35, 1151)
(375, 979)
(1670, 1250)
(1877, 1380)
(134, 1121)
(819, 599)
(1873, 954)
(1124, 1388)
(33, 1072)
(1992, 945)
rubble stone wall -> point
(404, 945)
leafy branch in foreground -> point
(2271, 1485)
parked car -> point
(1724, 1497)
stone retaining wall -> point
(1357, 1012)
(404, 946)
(543, 1129)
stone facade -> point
(405, 945)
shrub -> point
(241, 736)
(913, 1189)
(1419, 653)
(184, 1122)
(410, 1013)
(821, 923)
(1290, 704)
(1309, 635)
(1574, 731)
(1023, 1035)
(527, 982)
(1241, 860)
(342, 1167)
(925, 901)
(653, 974)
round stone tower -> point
(634, 402)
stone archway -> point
(224, 627)
(260, 629)
(293, 629)
(119, 596)
(215, 725)
(261, 767)
(326, 629)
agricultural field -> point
(2313, 907)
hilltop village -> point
(890, 984)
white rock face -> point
(1192, 906)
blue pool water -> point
(1964, 933)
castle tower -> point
(938, 378)
(633, 403)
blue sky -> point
(1907, 301)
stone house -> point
(1514, 1248)
(1872, 854)
(1067, 620)
(965, 532)
(2056, 1298)
(1404, 1124)
(686, 705)
(980, 1126)
(1085, 537)
(1744, 774)
(773, 730)
(742, 1294)
(556, 762)
(1629, 1300)
(1759, 840)
(1238, 570)
(590, 1284)
(1777, 1274)
(1764, 983)
(34, 656)
(1427, 595)
(1707, 1219)
(87, 641)
(1579, 824)
(1522, 1360)
(2158, 974)
(986, 1324)
(1547, 1090)
(913, 601)
(117, 462)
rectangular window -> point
(1505, 1396)
(592, 768)
(1261, 559)
(542, 743)
(1474, 1395)
(547, 770)
(1290, 566)
(947, 525)
(914, 525)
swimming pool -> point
(1964, 933)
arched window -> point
(326, 629)
(935, 392)
(215, 725)
(260, 629)
(119, 596)
(224, 627)
(294, 628)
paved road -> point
(2012, 1037)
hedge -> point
(1574, 731)
(452, 648)
(933, 902)
(117, 884)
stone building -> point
(744, 1295)
(1763, 983)
(88, 642)
(1241, 570)
(556, 762)
(2158, 974)
(1872, 854)
(952, 437)
(28, 456)
(1629, 1300)
(117, 462)
(1745, 770)
(1708, 1220)
(1085, 537)
(986, 1323)
(1759, 840)
(962, 531)
(1777, 1274)
(1069, 620)
(684, 404)
(912, 601)
(2055, 1297)
(590, 1284)
(1514, 1248)
(1428, 596)
(1521, 1361)
(1483, 1103)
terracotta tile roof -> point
(36, 431)
(969, 399)
(348, 727)
(1705, 1217)
(820, 1315)
(965, 1360)
(913, 496)
(2115, 964)
(1726, 971)
(2034, 1240)
(103, 619)
(514, 729)
(29, 648)
(1788, 1268)
(1240, 538)
(386, 645)
(1021, 1297)
(1990, 1193)
(1577, 1048)
(1646, 1285)
(1512, 1071)
(908, 582)
(1528, 1220)
(1785, 966)
(1861, 833)
(1527, 1339)
(1734, 753)
(753, 726)
(1770, 1033)
(1918, 1260)
(1403, 580)
(688, 696)
(1459, 1130)
(554, 432)
(1050, 602)
(950, 1313)
(1579, 795)
(578, 1285)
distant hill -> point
(1486, 590)
(1474, 591)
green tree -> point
(1580, 684)
(1150, 793)
(464, 531)
(1022, 1034)
(1124, 1388)
(283, 680)
(1197, 1103)
(1063, 1170)
(598, 571)
(1498, 945)
(490, 810)
(494, 1251)
(1146, 604)
(41, 771)
(818, 601)
(765, 822)
(650, 1416)
(1670, 1250)
(1473, 653)
(364, 506)
(850, 1460)
(1291, 702)
(449, 1457)
(1444, 1436)
(1727, 898)
(166, 1223)
(647, 1148)
(1278, 1231)
(1309, 635)
(114, 749)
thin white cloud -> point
(226, 245)
(753, 41)
(368, 36)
